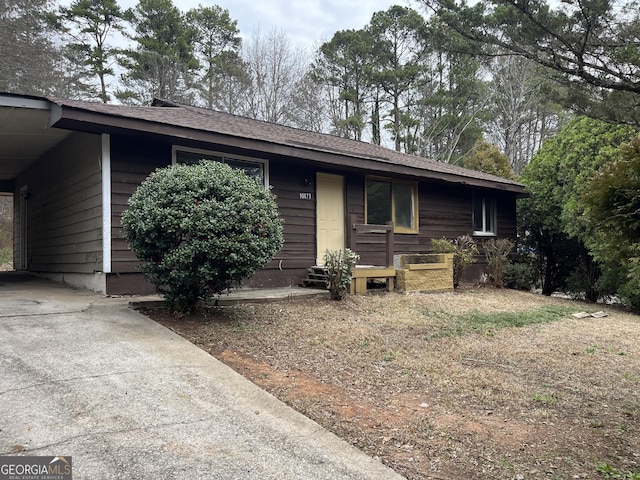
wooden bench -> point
(362, 274)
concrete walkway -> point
(88, 377)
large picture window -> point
(253, 167)
(389, 200)
(484, 214)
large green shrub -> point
(613, 208)
(464, 251)
(577, 183)
(200, 230)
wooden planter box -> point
(424, 272)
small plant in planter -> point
(464, 251)
(338, 265)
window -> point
(484, 214)
(253, 167)
(388, 200)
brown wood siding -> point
(64, 218)
(446, 211)
(299, 250)
(443, 210)
(132, 160)
(506, 213)
(128, 284)
(505, 228)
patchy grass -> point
(480, 383)
(488, 322)
(610, 472)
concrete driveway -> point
(86, 376)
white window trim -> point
(263, 161)
(484, 232)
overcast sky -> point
(305, 22)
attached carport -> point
(25, 137)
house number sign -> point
(306, 196)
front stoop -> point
(316, 277)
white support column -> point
(106, 203)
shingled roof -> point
(195, 123)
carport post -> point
(106, 202)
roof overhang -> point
(31, 126)
(25, 135)
(72, 118)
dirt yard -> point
(482, 383)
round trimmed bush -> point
(200, 230)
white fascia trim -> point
(21, 102)
(106, 202)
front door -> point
(329, 214)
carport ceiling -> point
(25, 136)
